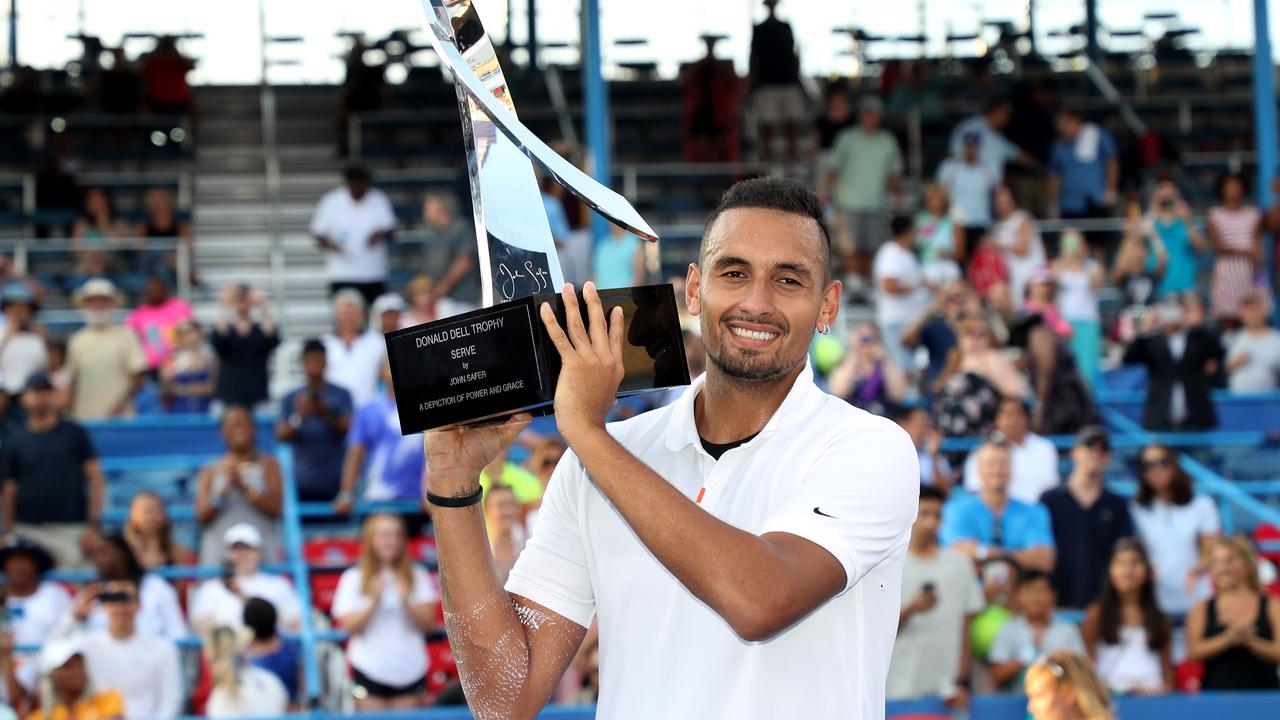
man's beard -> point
(97, 318)
(748, 365)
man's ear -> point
(830, 303)
(692, 286)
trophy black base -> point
(494, 362)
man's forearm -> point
(457, 270)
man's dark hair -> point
(771, 193)
(260, 617)
(900, 225)
(133, 569)
(1028, 576)
(313, 345)
(357, 174)
(901, 412)
(994, 102)
(930, 492)
(1014, 400)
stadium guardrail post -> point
(301, 575)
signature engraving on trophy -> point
(538, 279)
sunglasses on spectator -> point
(1147, 464)
(115, 597)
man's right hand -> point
(456, 456)
(84, 601)
(924, 602)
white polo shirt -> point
(663, 653)
(349, 224)
(357, 367)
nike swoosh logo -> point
(816, 510)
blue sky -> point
(229, 52)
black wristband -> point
(455, 502)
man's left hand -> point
(591, 361)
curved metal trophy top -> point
(517, 252)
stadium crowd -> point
(975, 323)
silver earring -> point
(825, 329)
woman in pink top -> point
(156, 321)
(1235, 231)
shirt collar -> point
(682, 431)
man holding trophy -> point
(741, 548)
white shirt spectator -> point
(926, 656)
(215, 605)
(970, 187)
(159, 613)
(1021, 267)
(143, 668)
(995, 150)
(1019, 640)
(32, 621)
(355, 367)
(1034, 469)
(389, 649)
(21, 356)
(349, 224)
(1261, 373)
(1130, 665)
(817, 451)
(1171, 534)
(894, 261)
(261, 694)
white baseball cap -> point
(387, 302)
(56, 653)
(243, 534)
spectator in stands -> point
(162, 223)
(395, 461)
(935, 329)
(422, 302)
(120, 86)
(164, 78)
(990, 523)
(150, 534)
(970, 184)
(868, 377)
(242, 487)
(507, 533)
(836, 115)
(968, 389)
(1034, 459)
(940, 597)
(65, 690)
(1235, 232)
(1127, 635)
(34, 605)
(58, 374)
(314, 419)
(144, 668)
(1062, 403)
(98, 229)
(450, 262)
(221, 601)
(386, 603)
(618, 260)
(1181, 361)
(1174, 238)
(774, 76)
(994, 149)
(863, 180)
(1084, 169)
(384, 315)
(1087, 518)
(244, 345)
(189, 377)
(710, 91)
(53, 483)
(502, 471)
(266, 649)
(1236, 633)
(1079, 277)
(353, 225)
(542, 463)
(1041, 304)
(999, 578)
(939, 240)
(354, 355)
(23, 350)
(1031, 127)
(1177, 525)
(1253, 361)
(1136, 274)
(935, 470)
(1019, 241)
(158, 613)
(915, 92)
(1033, 632)
(156, 321)
(240, 689)
(1061, 686)
(900, 290)
(105, 361)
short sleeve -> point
(1072, 639)
(1005, 647)
(341, 401)
(946, 172)
(135, 358)
(288, 605)
(347, 598)
(386, 213)
(363, 429)
(85, 449)
(287, 403)
(1107, 145)
(1206, 519)
(1007, 147)
(552, 569)
(974, 600)
(858, 500)
(1039, 528)
(320, 221)
(955, 524)
(895, 156)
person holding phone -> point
(244, 340)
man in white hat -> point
(221, 601)
(105, 361)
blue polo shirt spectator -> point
(395, 462)
(1085, 167)
(314, 420)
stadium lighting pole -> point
(1264, 116)
(596, 93)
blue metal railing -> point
(297, 563)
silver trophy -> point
(492, 362)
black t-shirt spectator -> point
(48, 468)
(1084, 538)
(242, 377)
